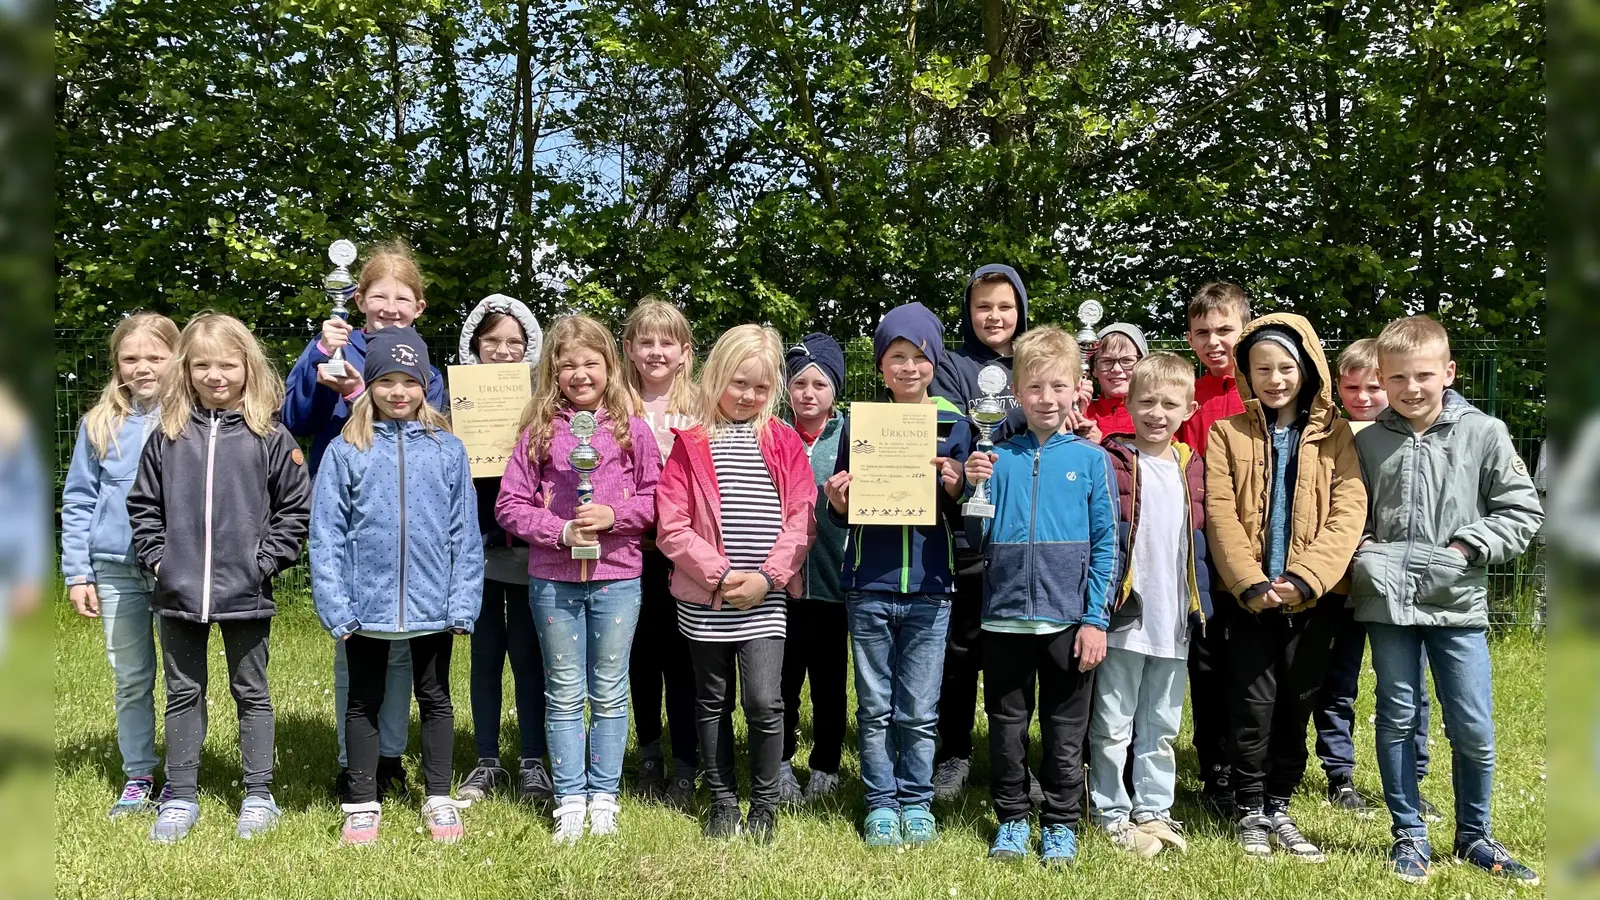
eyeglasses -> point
(491, 345)
(1126, 363)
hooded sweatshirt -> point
(94, 503)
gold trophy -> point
(584, 459)
(987, 412)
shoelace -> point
(883, 828)
(1011, 834)
(444, 815)
(254, 814)
(174, 815)
(1498, 854)
(1289, 833)
(361, 821)
(480, 776)
(137, 790)
(1415, 844)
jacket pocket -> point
(1375, 573)
(1445, 580)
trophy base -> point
(977, 510)
(332, 369)
(586, 552)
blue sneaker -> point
(1011, 840)
(1060, 846)
(257, 815)
(173, 820)
(882, 828)
(1492, 857)
(917, 825)
(136, 797)
(1409, 859)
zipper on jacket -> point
(1188, 521)
(1125, 587)
(401, 443)
(211, 461)
(905, 559)
(1411, 513)
(1033, 513)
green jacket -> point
(1460, 481)
(826, 558)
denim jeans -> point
(1459, 658)
(1138, 699)
(898, 644)
(394, 718)
(1335, 713)
(505, 628)
(124, 593)
(585, 633)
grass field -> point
(660, 853)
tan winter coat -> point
(1330, 501)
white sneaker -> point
(569, 815)
(603, 810)
(821, 784)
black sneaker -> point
(1255, 832)
(483, 780)
(1342, 794)
(1428, 811)
(534, 784)
(723, 823)
(391, 777)
(652, 782)
(1217, 801)
(680, 794)
(761, 823)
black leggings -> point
(430, 675)
(818, 645)
(659, 668)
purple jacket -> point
(537, 499)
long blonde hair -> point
(358, 428)
(617, 401)
(736, 345)
(656, 316)
(214, 334)
(115, 405)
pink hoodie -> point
(537, 499)
(689, 510)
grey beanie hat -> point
(1283, 338)
(1131, 332)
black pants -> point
(817, 645)
(183, 657)
(505, 628)
(1276, 662)
(660, 659)
(1209, 688)
(759, 667)
(963, 661)
(430, 677)
(1011, 662)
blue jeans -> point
(1459, 658)
(1335, 712)
(897, 642)
(394, 716)
(585, 634)
(1138, 700)
(124, 593)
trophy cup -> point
(340, 286)
(1090, 312)
(584, 459)
(987, 412)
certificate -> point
(486, 402)
(892, 481)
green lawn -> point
(660, 853)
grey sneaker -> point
(257, 815)
(486, 778)
(535, 785)
(1286, 836)
(173, 821)
(822, 784)
(788, 784)
(950, 777)
(1254, 831)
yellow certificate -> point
(892, 479)
(486, 402)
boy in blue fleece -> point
(1051, 555)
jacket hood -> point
(1316, 385)
(518, 311)
(973, 345)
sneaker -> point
(569, 816)
(136, 797)
(603, 812)
(1167, 831)
(1060, 845)
(1254, 829)
(360, 824)
(483, 780)
(788, 784)
(165, 795)
(652, 780)
(1342, 795)
(1133, 839)
(680, 794)
(1409, 859)
(442, 817)
(1217, 801)
(533, 783)
(1428, 811)
(391, 777)
(821, 785)
(917, 825)
(950, 778)
(173, 820)
(1286, 836)
(1492, 857)
(881, 828)
(761, 823)
(1035, 789)
(1011, 840)
(257, 815)
(723, 822)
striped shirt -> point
(752, 517)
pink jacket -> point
(689, 514)
(537, 499)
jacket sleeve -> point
(330, 545)
(307, 406)
(438, 395)
(1324, 562)
(466, 545)
(78, 500)
(1230, 546)
(1512, 511)
(289, 494)
(637, 514)
(147, 513)
(676, 538)
(520, 509)
(1102, 542)
(788, 554)
(841, 463)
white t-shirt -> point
(1160, 564)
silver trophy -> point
(584, 459)
(340, 286)
(1090, 312)
(987, 412)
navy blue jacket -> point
(315, 411)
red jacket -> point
(1110, 415)
(1218, 399)
(689, 514)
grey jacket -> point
(1460, 481)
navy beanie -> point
(816, 349)
(396, 349)
(913, 322)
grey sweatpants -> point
(183, 655)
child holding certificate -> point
(898, 580)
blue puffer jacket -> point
(394, 534)
(1051, 548)
(94, 503)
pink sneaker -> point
(443, 819)
(360, 824)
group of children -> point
(1232, 535)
